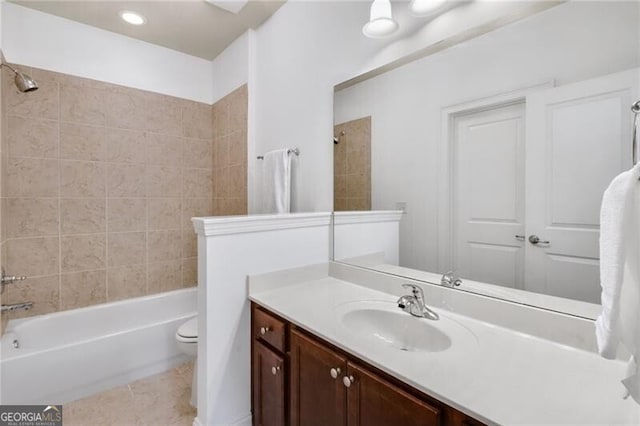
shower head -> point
(24, 82)
(636, 107)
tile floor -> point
(160, 400)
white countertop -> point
(494, 374)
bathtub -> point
(72, 354)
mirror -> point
(498, 151)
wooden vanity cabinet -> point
(268, 369)
(327, 387)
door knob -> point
(275, 369)
(347, 381)
(534, 239)
(335, 372)
(263, 330)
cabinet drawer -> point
(269, 329)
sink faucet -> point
(17, 307)
(414, 304)
(450, 280)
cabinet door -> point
(317, 398)
(374, 402)
(268, 387)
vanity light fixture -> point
(132, 18)
(381, 23)
(424, 7)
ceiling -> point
(195, 27)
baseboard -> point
(245, 421)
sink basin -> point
(383, 322)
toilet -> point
(187, 340)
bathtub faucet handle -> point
(8, 279)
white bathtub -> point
(72, 354)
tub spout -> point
(17, 307)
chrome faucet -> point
(8, 279)
(415, 305)
(17, 307)
(450, 280)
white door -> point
(488, 174)
(578, 139)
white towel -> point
(274, 183)
(619, 321)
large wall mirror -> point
(498, 150)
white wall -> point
(41, 40)
(568, 43)
(230, 69)
(229, 249)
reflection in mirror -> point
(498, 151)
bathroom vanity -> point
(300, 379)
(332, 348)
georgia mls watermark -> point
(30, 415)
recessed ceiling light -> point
(132, 18)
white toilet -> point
(187, 339)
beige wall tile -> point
(27, 217)
(164, 245)
(237, 148)
(82, 179)
(80, 142)
(164, 150)
(125, 180)
(163, 181)
(33, 256)
(118, 172)
(126, 146)
(221, 151)
(42, 291)
(357, 161)
(189, 243)
(198, 153)
(198, 183)
(340, 186)
(164, 213)
(164, 276)
(196, 121)
(220, 112)
(81, 289)
(126, 214)
(82, 215)
(190, 272)
(30, 137)
(236, 185)
(126, 248)
(83, 252)
(195, 207)
(82, 104)
(162, 114)
(28, 177)
(127, 281)
(124, 109)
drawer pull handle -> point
(335, 372)
(263, 330)
(274, 370)
(347, 381)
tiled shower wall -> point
(230, 153)
(352, 165)
(100, 183)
